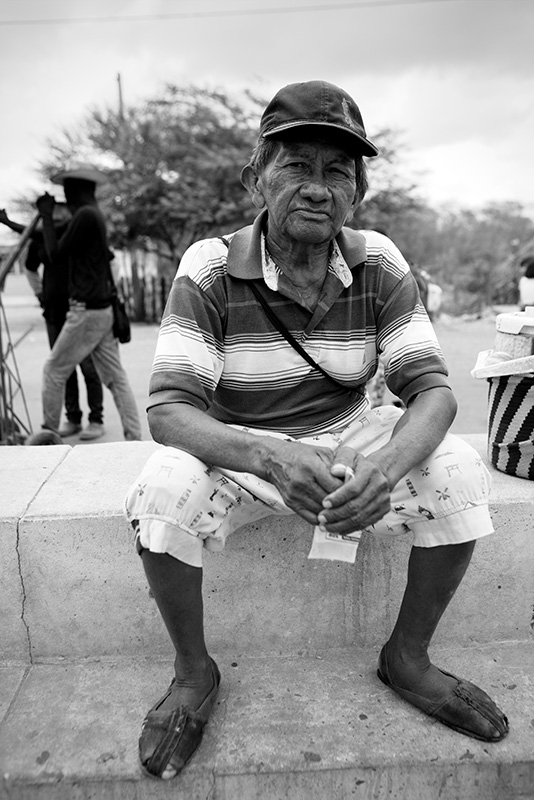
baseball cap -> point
(316, 103)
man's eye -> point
(339, 171)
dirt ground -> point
(460, 339)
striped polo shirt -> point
(218, 351)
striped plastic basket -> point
(511, 424)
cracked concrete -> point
(23, 597)
(77, 516)
(301, 713)
(24, 472)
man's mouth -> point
(313, 212)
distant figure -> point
(526, 283)
(421, 281)
(88, 328)
(51, 289)
(431, 293)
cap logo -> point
(346, 113)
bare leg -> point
(177, 589)
(434, 574)
(173, 728)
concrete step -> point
(72, 585)
(310, 727)
(24, 472)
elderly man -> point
(252, 426)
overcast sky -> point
(456, 77)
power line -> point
(222, 13)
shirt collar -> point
(336, 264)
(245, 253)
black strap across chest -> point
(288, 336)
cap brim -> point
(94, 176)
(366, 147)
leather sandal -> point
(169, 738)
(466, 709)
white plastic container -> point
(515, 333)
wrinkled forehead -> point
(316, 145)
(311, 140)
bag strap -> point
(281, 328)
(114, 292)
(279, 325)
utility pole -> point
(121, 105)
(138, 302)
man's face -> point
(76, 189)
(309, 188)
(61, 214)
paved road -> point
(461, 342)
(30, 346)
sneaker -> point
(93, 431)
(69, 429)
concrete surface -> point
(23, 471)
(31, 348)
(307, 728)
(262, 593)
(301, 714)
(85, 595)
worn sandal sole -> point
(467, 693)
(180, 732)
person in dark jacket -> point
(50, 285)
(88, 328)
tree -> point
(477, 252)
(174, 164)
(392, 196)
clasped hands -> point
(341, 491)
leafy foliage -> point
(391, 194)
(478, 253)
(174, 163)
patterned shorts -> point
(179, 505)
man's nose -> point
(316, 189)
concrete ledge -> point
(24, 471)
(301, 713)
(305, 728)
(78, 589)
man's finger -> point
(344, 456)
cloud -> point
(454, 76)
(465, 173)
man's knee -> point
(164, 539)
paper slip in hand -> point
(334, 546)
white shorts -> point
(179, 505)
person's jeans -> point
(88, 331)
(93, 384)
